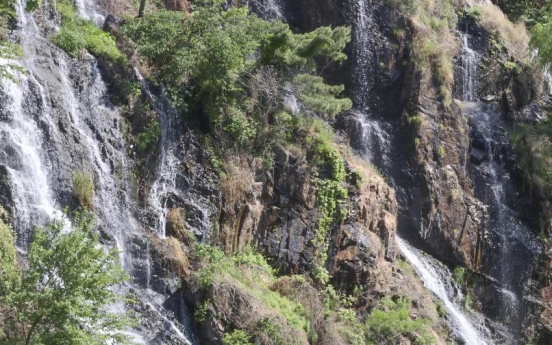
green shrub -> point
(77, 34)
(200, 315)
(237, 337)
(392, 319)
(148, 139)
(70, 39)
(83, 188)
(512, 67)
(459, 275)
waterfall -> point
(20, 153)
(56, 120)
(375, 139)
(363, 55)
(511, 245)
(166, 188)
(438, 280)
(469, 71)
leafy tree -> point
(210, 49)
(61, 297)
(211, 54)
(518, 9)
(541, 34)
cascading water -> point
(166, 187)
(469, 71)
(375, 138)
(511, 246)
(438, 280)
(57, 120)
(20, 148)
(376, 145)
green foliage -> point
(233, 65)
(392, 319)
(518, 10)
(329, 196)
(236, 337)
(212, 49)
(475, 12)
(8, 257)
(441, 151)
(202, 311)
(77, 34)
(148, 139)
(441, 309)
(541, 34)
(320, 97)
(459, 275)
(534, 145)
(83, 188)
(8, 51)
(281, 47)
(32, 5)
(468, 300)
(61, 297)
(512, 67)
(415, 120)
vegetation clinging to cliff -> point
(289, 310)
(435, 43)
(237, 68)
(8, 50)
(77, 34)
(60, 298)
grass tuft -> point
(83, 188)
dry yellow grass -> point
(513, 36)
(237, 184)
(435, 41)
(175, 223)
(172, 254)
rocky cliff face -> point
(451, 183)
(447, 163)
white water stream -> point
(50, 103)
(438, 280)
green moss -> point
(77, 34)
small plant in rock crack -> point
(83, 188)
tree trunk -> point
(141, 9)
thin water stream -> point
(438, 279)
(56, 120)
